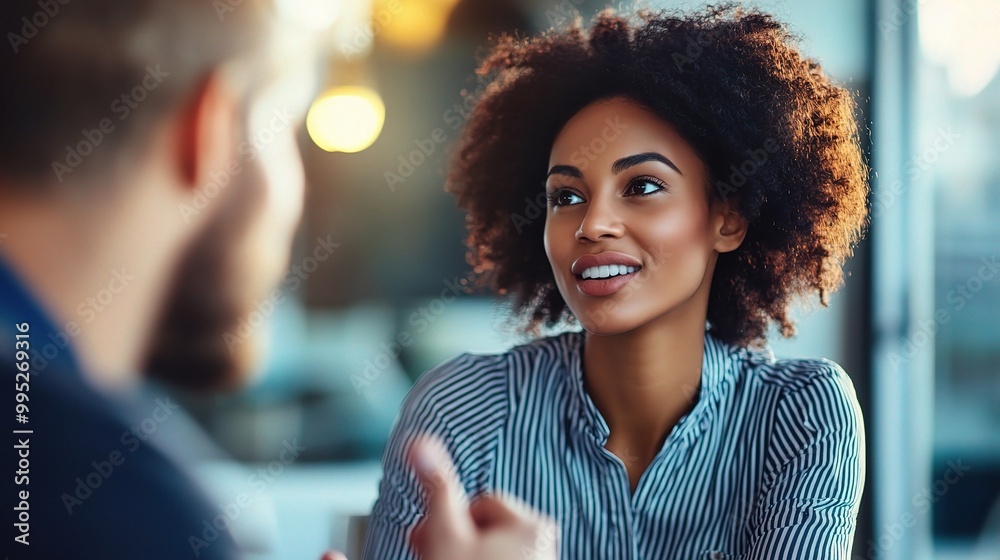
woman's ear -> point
(731, 227)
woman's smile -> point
(603, 274)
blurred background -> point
(381, 254)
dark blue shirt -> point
(97, 487)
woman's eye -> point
(564, 198)
(643, 187)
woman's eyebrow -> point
(565, 170)
(630, 161)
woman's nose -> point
(600, 222)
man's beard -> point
(212, 292)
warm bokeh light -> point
(311, 14)
(413, 25)
(346, 119)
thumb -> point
(333, 555)
(446, 500)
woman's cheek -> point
(669, 234)
(677, 245)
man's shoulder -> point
(90, 468)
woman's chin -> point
(608, 325)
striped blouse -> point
(769, 463)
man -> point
(150, 185)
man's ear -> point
(209, 125)
(731, 227)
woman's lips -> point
(603, 264)
(603, 259)
(604, 286)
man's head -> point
(182, 111)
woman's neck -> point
(643, 381)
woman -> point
(699, 174)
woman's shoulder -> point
(814, 391)
(798, 373)
(760, 373)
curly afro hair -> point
(778, 139)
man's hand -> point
(491, 528)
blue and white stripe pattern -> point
(769, 464)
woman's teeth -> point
(607, 271)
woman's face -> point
(629, 231)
